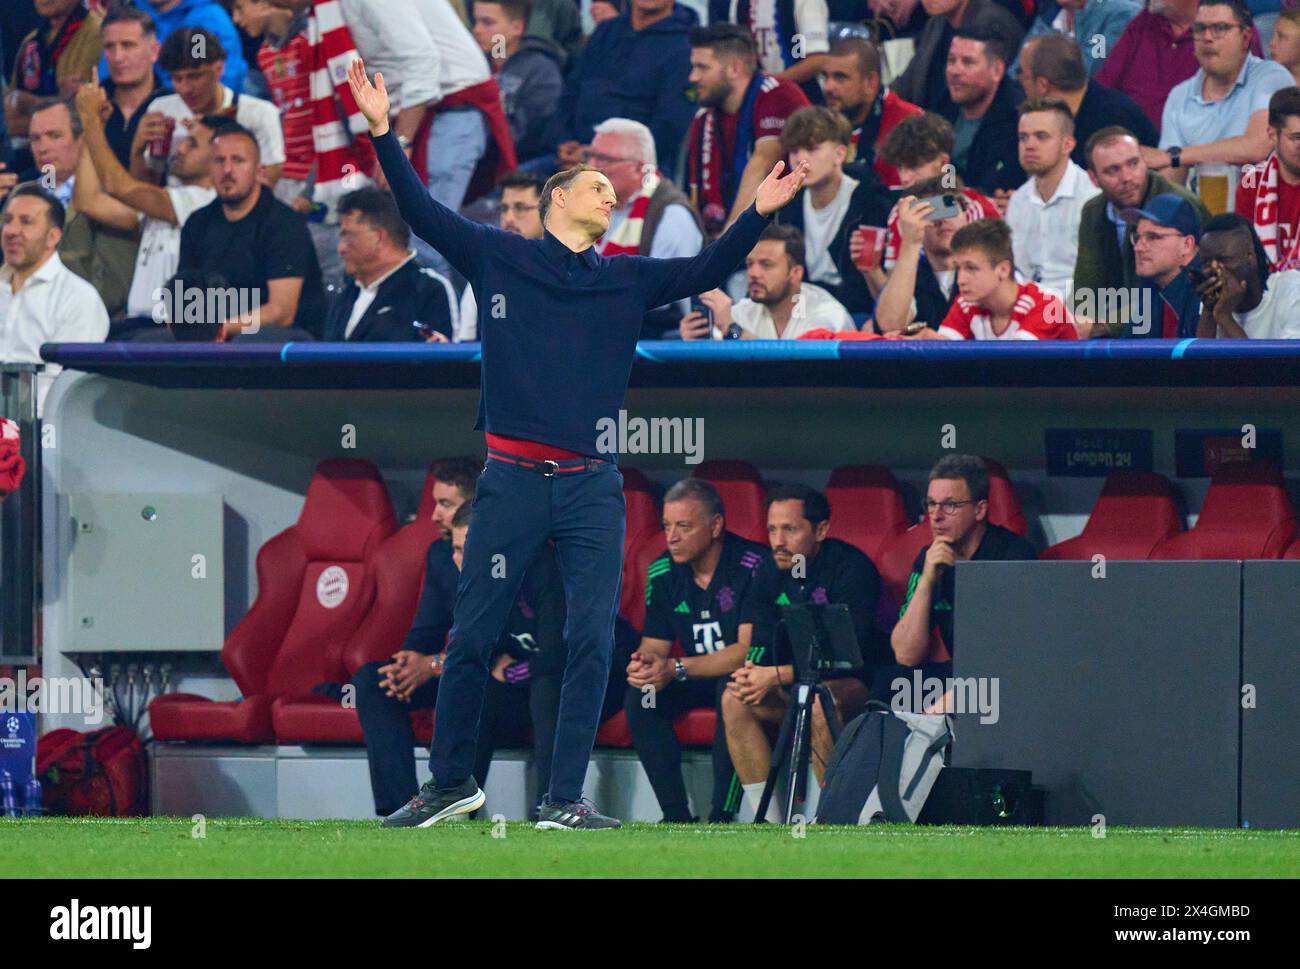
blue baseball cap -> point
(1170, 210)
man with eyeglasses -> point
(957, 503)
(1220, 114)
(1168, 231)
(521, 192)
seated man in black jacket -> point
(832, 205)
(390, 299)
(805, 567)
(982, 109)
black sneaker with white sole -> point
(434, 804)
(573, 816)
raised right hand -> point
(372, 99)
(694, 326)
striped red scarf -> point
(1265, 215)
(626, 239)
(11, 462)
(340, 154)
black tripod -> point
(794, 743)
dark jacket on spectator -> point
(922, 83)
(1101, 263)
(640, 75)
(559, 22)
(994, 158)
(530, 82)
(408, 296)
(869, 204)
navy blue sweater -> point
(559, 328)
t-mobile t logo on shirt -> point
(74, 923)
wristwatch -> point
(1175, 155)
(679, 674)
(404, 141)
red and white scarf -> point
(1265, 217)
(626, 239)
(340, 155)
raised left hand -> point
(775, 190)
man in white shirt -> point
(652, 217)
(41, 300)
(779, 305)
(1241, 299)
(195, 59)
(1044, 213)
(107, 193)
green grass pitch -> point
(261, 848)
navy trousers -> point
(516, 510)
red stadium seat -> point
(1133, 514)
(1246, 515)
(694, 728)
(314, 585)
(899, 552)
(643, 517)
(635, 567)
(1292, 550)
(866, 506)
(741, 488)
(398, 568)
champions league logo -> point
(12, 726)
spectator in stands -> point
(12, 465)
(390, 299)
(791, 38)
(1094, 26)
(924, 81)
(1241, 299)
(851, 81)
(957, 503)
(41, 300)
(602, 10)
(211, 17)
(53, 60)
(130, 50)
(993, 305)
(920, 148)
(735, 138)
(257, 241)
(195, 58)
(903, 18)
(55, 135)
(779, 305)
(528, 70)
(982, 108)
(634, 66)
(560, 22)
(1167, 233)
(521, 194)
(1284, 46)
(805, 567)
(1154, 53)
(324, 157)
(1051, 66)
(1220, 114)
(652, 217)
(1269, 193)
(109, 195)
(922, 283)
(831, 205)
(1044, 213)
(1105, 258)
(694, 593)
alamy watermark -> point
(652, 435)
(935, 694)
(66, 695)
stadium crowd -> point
(979, 169)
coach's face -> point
(965, 515)
(689, 529)
(587, 203)
(790, 533)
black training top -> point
(559, 328)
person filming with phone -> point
(923, 283)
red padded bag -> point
(99, 773)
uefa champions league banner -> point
(17, 748)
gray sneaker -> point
(573, 816)
(435, 804)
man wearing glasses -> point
(1165, 241)
(957, 503)
(520, 195)
(652, 217)
(1220, 114)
